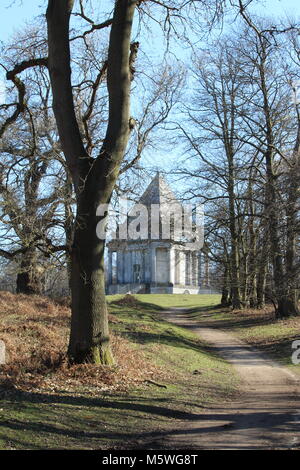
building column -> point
(188, 268)
(153, 264)
(172, 266)
(177, 266)
(199, 269)
(109, 270)
(206, 274)
(143, 268)
(147, 265)
(126, 267)
(130, 267)
(120, 267)
(133, 254)
(182, 263)
(194, 268)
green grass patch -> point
(258, 328)
(192, 378)
(177, 350)
(173, 300)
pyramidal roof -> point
(158, 192)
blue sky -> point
(14, 12)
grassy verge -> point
(164, 377)
(175, 300)
(258, 328)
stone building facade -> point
(156, 265)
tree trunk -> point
(261, 288)
(225, 299)
(289, 304)
(235, 274)
(93, 179)
(89, 337)
(29, 279)
(262, 271)
(271, 202)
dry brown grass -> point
(35, 331)
(128, 300)
(266, 312)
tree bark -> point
(29, 279)
(225, 299)
(234, 258)
(290, 302)
(261, 285)
(93, 179)
(286, 304)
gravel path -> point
(265, 416)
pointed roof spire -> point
(158, 192)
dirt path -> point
(265, 416)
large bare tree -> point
(93, 178)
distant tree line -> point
(241, 132)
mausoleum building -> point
(156, 264)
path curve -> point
(265, 416)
